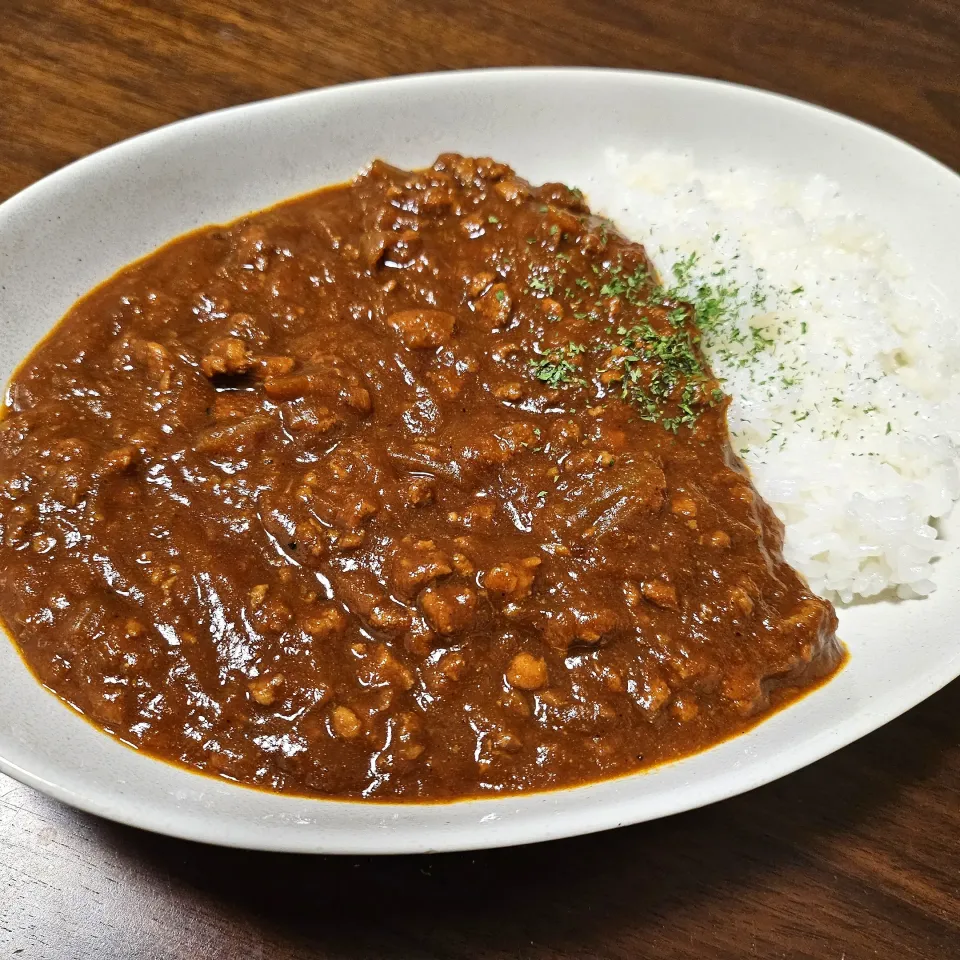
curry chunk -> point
(527, 672)
(422, 328)
(449, 607)
(229, 356)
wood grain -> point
(857, 856)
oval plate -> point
(70, 231)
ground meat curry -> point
(413, 488)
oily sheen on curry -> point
(414, 488)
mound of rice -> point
(844, 375)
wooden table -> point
(857, 856)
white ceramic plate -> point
(70, 231)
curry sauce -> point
(417, 487)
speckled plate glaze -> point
(70, 231)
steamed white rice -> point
(844, 374)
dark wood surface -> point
(857, 856)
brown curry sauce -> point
(413, 488)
